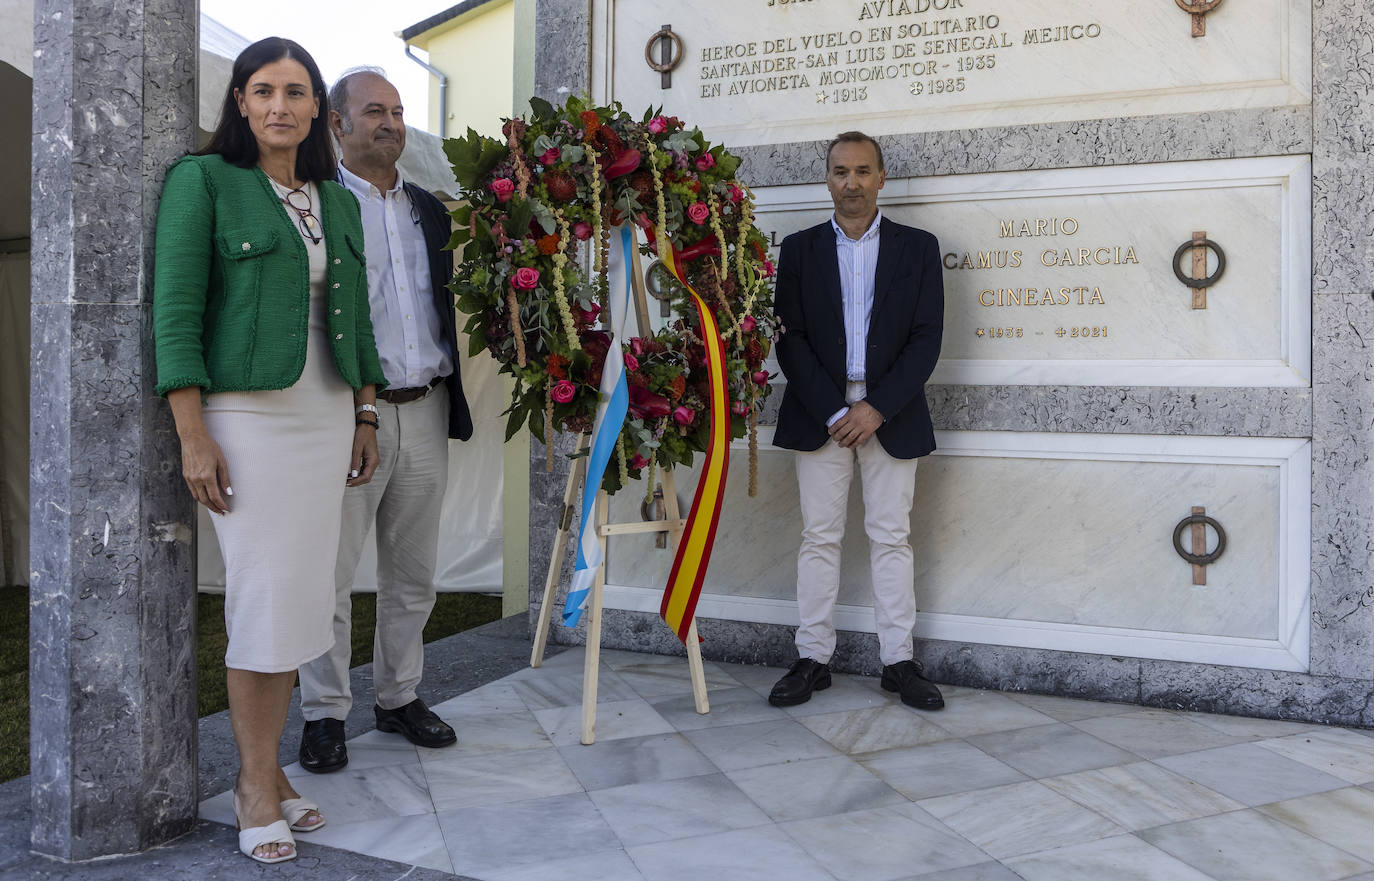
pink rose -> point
(638, 462)
(736, 194)
(550, 156)
(658, 125)
(503, 187)
(768, 269)
(697, 212)
(705, 161)
(739, 408)
(636, 345)
(583, 230)
(563, 391)
(748, 323)
(526, 278)
(761, 377)
(631, 362)
(684, 415)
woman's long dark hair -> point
(234, 140)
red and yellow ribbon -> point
(699, 533)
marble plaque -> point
(1038, 540)
(1066, 277)
(774, 71)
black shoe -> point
(322, 746)
(416, 723)
(906, 677)
(804, 677)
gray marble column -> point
(112, 638)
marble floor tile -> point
(497, 778)
(989, 871)
(1141, 795)
(617, 658)
(1049, 750)
(814, 788)
(372, 749)
(730, 706)
(760, 678)
(875, 728)
(357, 794)
(614, 720)
(882, 844)
(416, 840)
(218, 808)
(608, 763)
(940, 768)
(1122, 858)
(759, 743)
(484, 840)
(613, 865)
(1020, 818)
(643, 813)
(653, 681)
(1155, 733)
(845, 693)
(1342, 817)
(1338, 752)
(969, 712)
(1249, 726)
(495, 697)
(1251, 774)
(1246, 846)
(1067, 709)
(544, 688)
(761, 854)
(494, 733)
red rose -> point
(684, 415)
(705, 161)
(550, 156)
(563, 391)
(698, 213)
(503, 187)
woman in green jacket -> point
(265, 353)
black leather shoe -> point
(906, 678)
(804, 677)
(322, 746)
(416, 723)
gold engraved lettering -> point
(893, 8)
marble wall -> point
(1328, 607)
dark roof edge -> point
(434, 21)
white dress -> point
(288, 454)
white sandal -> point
(296, 809)
(254, 837)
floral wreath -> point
(541, 205)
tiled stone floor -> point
(850, 786)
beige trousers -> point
(889, 485)
(403, 500)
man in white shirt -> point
(405, 229)
(862, 301)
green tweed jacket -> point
(231, 290)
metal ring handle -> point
(1199, 559)
(649, 50)
(1200, 282)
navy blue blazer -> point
(438, 229)
(904, 333)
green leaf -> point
(541, 109)
(472, 156)
(477, 337)
(461, 236)
(518, 221)
(514, 423)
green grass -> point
(453, 613)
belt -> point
(406, 395)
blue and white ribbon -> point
(610, 418)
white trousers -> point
(403, 500)
(889, 486)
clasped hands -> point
(857, 425)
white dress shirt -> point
(409, 334)
(858, 259)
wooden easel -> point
(673, 526)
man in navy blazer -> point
(861, 301)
